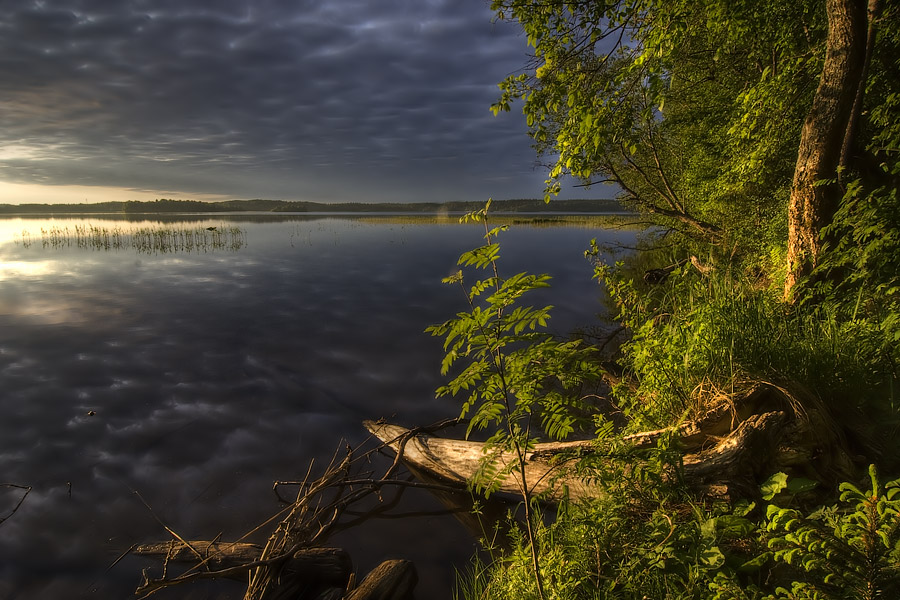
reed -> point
(595, 221)
(154, 239)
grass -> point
(696, 340)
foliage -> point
(657, 546)
(515, 374)
(694, 337)
(693, 108)
(662, 546)
(847, 552)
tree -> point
(726, 120)
(829, 128)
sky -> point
(318, 100)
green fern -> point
(851, 552)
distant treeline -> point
(196, 206)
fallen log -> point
(456, 462)
(313, 573)
(735, 466)
(391, 580)
(718, 421)
(311, 566)
(203, 553)
(726, 453)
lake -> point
(197, 376)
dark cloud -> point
(302, 100)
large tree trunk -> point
(813, 204)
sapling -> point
(516, 378)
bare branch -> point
(27, 490)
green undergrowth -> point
(695, 339)
(665, 547)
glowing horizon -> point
(20, 193)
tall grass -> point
(695, 338)
(156, 239)
(621, 547)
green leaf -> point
(799, 485)
(712, 558)
(731, 526)
(743, 507)
(755, 564)
(773, 486)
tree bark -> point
(212, 554)
(813, 203)
(391, 580)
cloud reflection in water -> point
(210, 375)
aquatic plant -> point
(153, 239)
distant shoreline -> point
(600, 206)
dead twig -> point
(339, 498)
(27, 490)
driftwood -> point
(725, 454)
(331, 566)
(717, 422)
(293, 564)
(456, 462)
(203, 553)
(735, 466)
(391, 580)
(320, 573)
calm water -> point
(212, 374)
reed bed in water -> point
(153, 239)
(586, 221)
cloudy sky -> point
(325, 100)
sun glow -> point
(20, 193)
(20, 268)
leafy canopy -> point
(693, 108)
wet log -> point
(326, 565)
(311, 573)
(391, 580)
(213, 554)
(308, 566)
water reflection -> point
(198, 379)
(157, 239)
